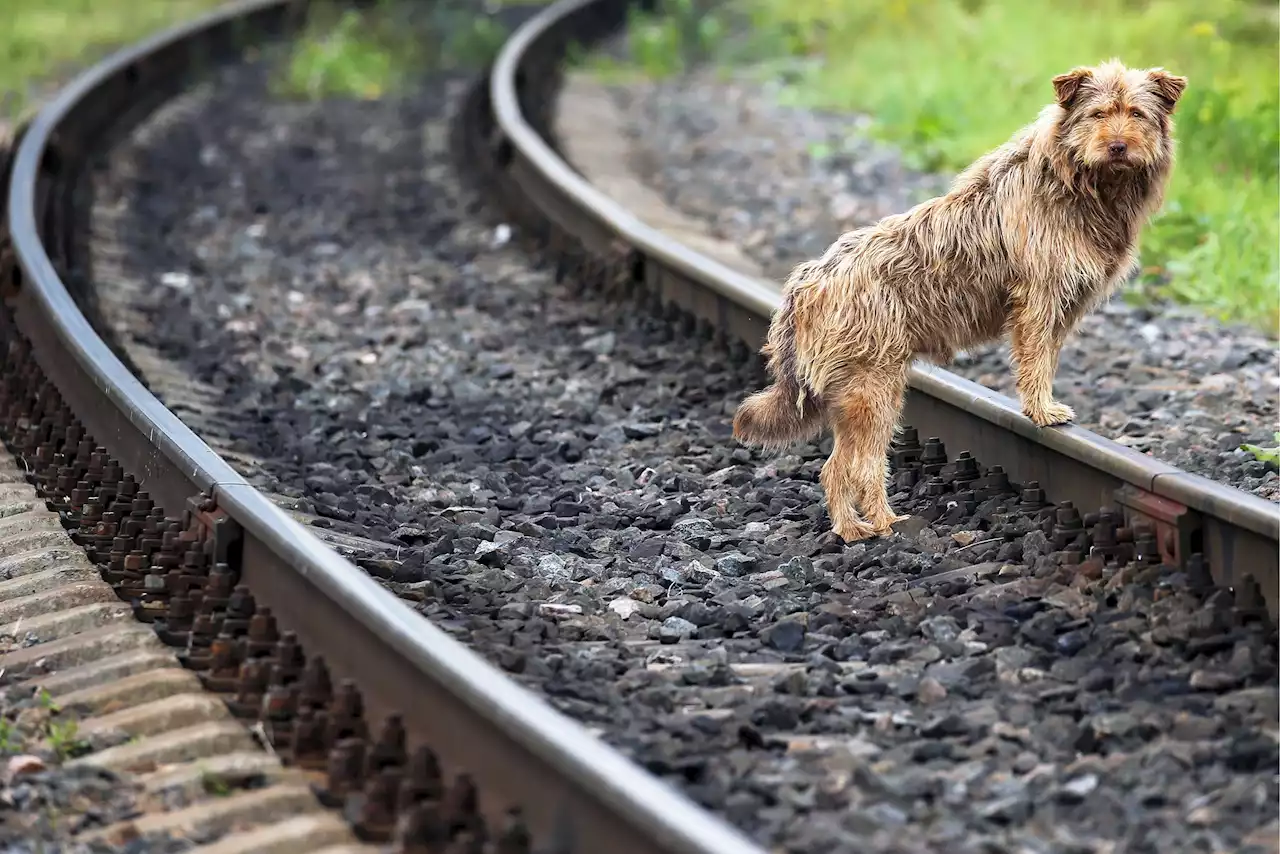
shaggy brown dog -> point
(1028, 239)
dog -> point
(1027, 240)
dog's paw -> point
(883, 525)
(1051, 415)
(852, 532)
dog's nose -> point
(1117, 149)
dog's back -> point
(942, 276)
(929, 281)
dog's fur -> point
(1028, 239)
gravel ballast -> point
(43, 800)
(554, 483)
(782, 182)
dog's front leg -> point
(1060, 334)
(1035, 340)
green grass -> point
(43, 37)
(343, 52)
(946, 80)
(683, 34)
(372, 52)
(346, 53)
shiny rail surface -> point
(1238, 534)
(573, 793)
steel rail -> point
(573, 791)
(1237, 533)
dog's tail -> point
(773, 419)
(787, 411)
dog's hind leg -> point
(863, 416)
(840, 484)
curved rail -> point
(572, 790)
(1237, 533)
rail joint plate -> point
(1175, 524)
(220, 534)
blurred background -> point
(942, 80)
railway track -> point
(1235, 533)
(168, 623)
(1004, 668)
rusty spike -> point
(376, 821)
(423, 782)
(389, 749)
(515, 837)
(346, 761)
(420, 830)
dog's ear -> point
(1067, 86)
(1168, 87)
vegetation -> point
(10, 740)
(367, 53)
(214, 783)
(43, 720)
(344, 52)
(64, 739)
(1266, 455)
(945, 80)
(43, 37)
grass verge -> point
(43, 37)
(946, 80)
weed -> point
(667, 41)
(1266, 455)
(10, 741)
(45, 700)
(63, 738)
(214, 784)
(338, 59)
(369, 53)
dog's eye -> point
(1097, 114)
(1137, 114)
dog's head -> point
(1115, 117)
